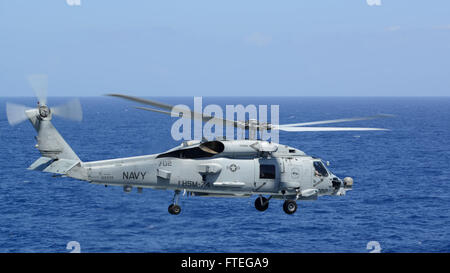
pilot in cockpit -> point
(319, 169)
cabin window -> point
(320, 169)
(267, 171)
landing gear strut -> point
(262, 203)
(174, 208)
(290, 206)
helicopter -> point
(205, 168)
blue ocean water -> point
(401, 196)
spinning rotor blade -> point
(324, 129)
(16, 113)
(155, 110)
(39, 83)
(149, 102)
(244, 125)
(143, 101)
(192, 115)
(195, 115)
(338, 120)
(71, 110)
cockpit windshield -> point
(320, 169)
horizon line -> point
(264, 96)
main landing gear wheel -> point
(174, 209)
(290, 206)
(261, 203)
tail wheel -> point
(174, 209)
(261, 203)
(290, 206)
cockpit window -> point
(320, 169)
(267, 171)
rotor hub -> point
(44, 111)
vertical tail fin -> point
(50, 143)
(57, 156)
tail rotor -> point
(39, 83)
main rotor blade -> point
(144, 101)
(39, 84)
(71, 110)
(195, 115)
(154, 110)
(324, 129)
(149, 102)
(339, 120)
(16, 113)
(171, 108)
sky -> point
(227, 48)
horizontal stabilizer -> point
(40, 164)
(61, 166)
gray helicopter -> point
(214, 168)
